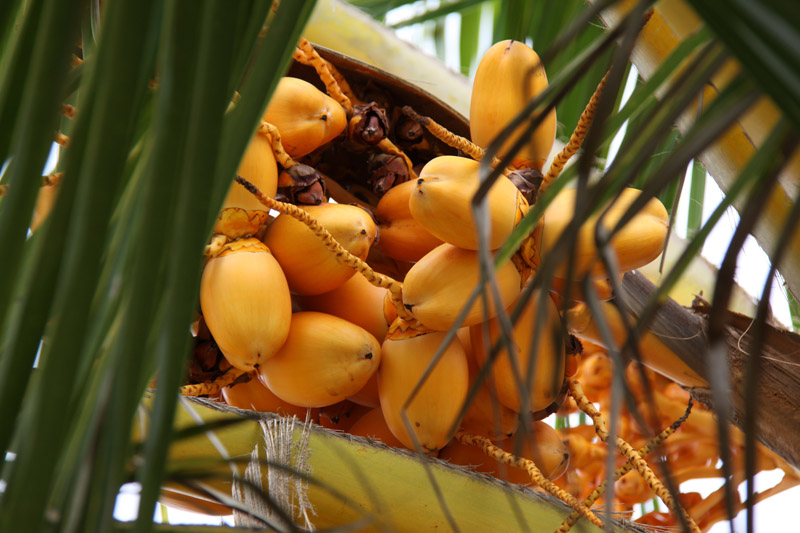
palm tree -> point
(97, 300)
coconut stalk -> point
(684, 331)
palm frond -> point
(110, 281)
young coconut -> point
(545, 378)
(310, 267)
(509, 76)
(485, 415)
(401, 236)
(439, 285)
(368, 395)
(373, 426)
(246, 303)
(252, 394)
(341, 415)
(543, 446)
(356, 300)
(442, 203)
(601, 289)
(631, 489)
(638, 242)
(475, 459)
(306, 117)
(325, 359)
(433, 411)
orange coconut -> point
(306, 117)
(242, 214)
(638, 242)
(442, 203)
(341, 415)
(373, 425)
(485, 415)
(368, 395)
(401, 236)
(439, 285)
(434, 409)
(252, 394)
(475, 459)
(310, 267)
(356, 300)
(509, 76)
(542, 446)
(246, 303)
(325, 359)
(542, 363)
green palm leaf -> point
(110, 282)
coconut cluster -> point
(341, 306)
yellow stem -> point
(274, 136)
(212, 387)
(624, 469)
(575, 140)
(627, 450)
(510, 459)
(306, 55)
(449, 138)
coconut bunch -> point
(256, 262)
(431, 221)
(293, 325)
(342, 307)
(693, 451)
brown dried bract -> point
(386, 171)
(527, 180)
(369, 124)
(302, 184)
